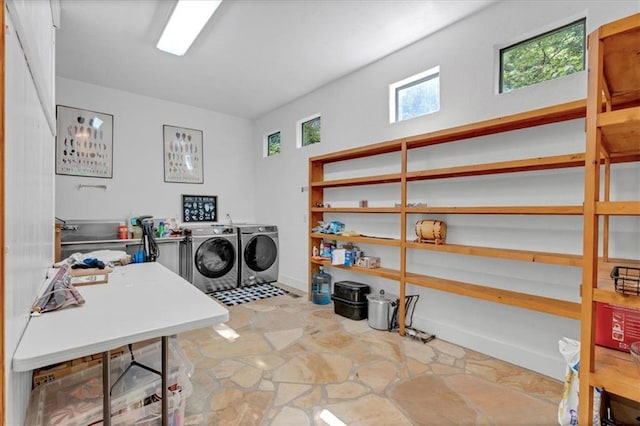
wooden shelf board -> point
(360, 239)
(553, 114)
(605, 290)
(365, 151)
(621, 48)
(538, 210)
(529, 164)
(391, 274)
(506, 297)
(618, 208)
(355, 210)
(614, 69)
(629, 23)
(616, 373)
(367, 180)
(621, 131)
(500, 253)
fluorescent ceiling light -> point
(186, 22)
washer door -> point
(215, 257)
(260, 253)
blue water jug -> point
(321, 288)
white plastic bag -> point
(568, 408)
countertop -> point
(141, 301)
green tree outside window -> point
(273, 144)
(311, 131)
(551, 55)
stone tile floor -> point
(292, 360)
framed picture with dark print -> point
(182, 155)
(84, 143)
(199, 208)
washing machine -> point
(211, 258)
(258, 254)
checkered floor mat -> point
(240, 295)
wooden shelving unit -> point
(368, 180)
(539, 117)
(391, 274)
(527, 165)
(613, 134)
(535, 210)
(501, 253)
(360, 239)
(506, 297)
(355, 209)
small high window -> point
(554, 54)
(272, 144)
(308, 131)
(415, 96)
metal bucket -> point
(379, 310)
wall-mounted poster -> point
(199, 208)
(182, 155)
(84, 143)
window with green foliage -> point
(547, 56)
(415, 96)
(310, 131)
(273, 144)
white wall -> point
(138, 186)
(29, 195)
(355, 112)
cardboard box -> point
(63, 369)
(368, 262)
(616, 326)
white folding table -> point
(141, 301)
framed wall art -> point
(182, 155)
(199, 208)
(84, 143)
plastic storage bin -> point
(348, 309)
(76, 399)
(351, 291)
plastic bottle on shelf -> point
(321, 287)
(123, 231)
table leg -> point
(106, 387)
(165, 381)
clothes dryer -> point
(258, 254)
(212, 258)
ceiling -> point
(253, 55)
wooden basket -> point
(431, 231)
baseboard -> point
(293, 282)
(551, 366)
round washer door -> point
(260, 253)
(215, 257)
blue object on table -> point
(92, 262)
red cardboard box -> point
(616, 326)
